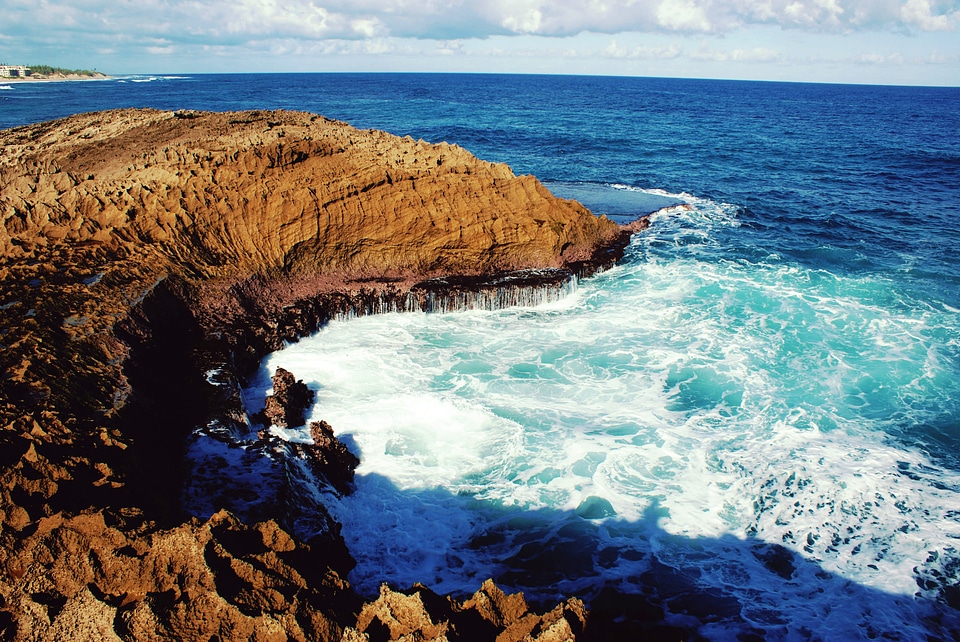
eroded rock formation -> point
(148, 260)
(288, 403)
(227, 195)
(489, 614)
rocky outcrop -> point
(238, 194)
(489, 614)
(329, 457)
(88, 577)
(288, 403)
(148, 260)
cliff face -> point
(141, 251)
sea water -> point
(682, 407)
(754, 418)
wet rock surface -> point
(288, 403)
(148, 261)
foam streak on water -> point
(713, 404)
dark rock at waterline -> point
(329, 457)
(288, 404)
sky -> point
(911, 42)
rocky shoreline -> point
(148, 261)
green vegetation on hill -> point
(47, 70)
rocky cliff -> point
(148, 260)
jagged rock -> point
(420, 614)
(329, 457)
(289, 402)
(81, 578)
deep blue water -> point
(778, 365)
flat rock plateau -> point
(148, 261)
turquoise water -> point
(682, 409)
(753, 420)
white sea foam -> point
(716, 405)
(6, 87)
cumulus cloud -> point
(921, 14)
(312, 28)
(825, 14)
(683, 15)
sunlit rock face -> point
(243, 193)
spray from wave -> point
(752, 429)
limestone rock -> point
(420, 614)
(237, 194)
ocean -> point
(754, 419)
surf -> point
(687, 395)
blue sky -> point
(859, 41)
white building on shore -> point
(14, 71)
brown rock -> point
(237, 194)
(289, 402)
(330, 458)
(420, 614)
(82, 579)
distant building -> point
(14, 71)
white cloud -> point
(683, 15)
(641, 52)
(823, 14)
(938, 58)
(649, 37)
(526, 20)
(920, 13)
(871, 59)
(233, 21)
(756, 54)
(449, 47)
(368, 27)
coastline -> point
(136, 299)
(56, 78)
(724, 291)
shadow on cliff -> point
(638, 580)
(170, 397)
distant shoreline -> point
(55, 78)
